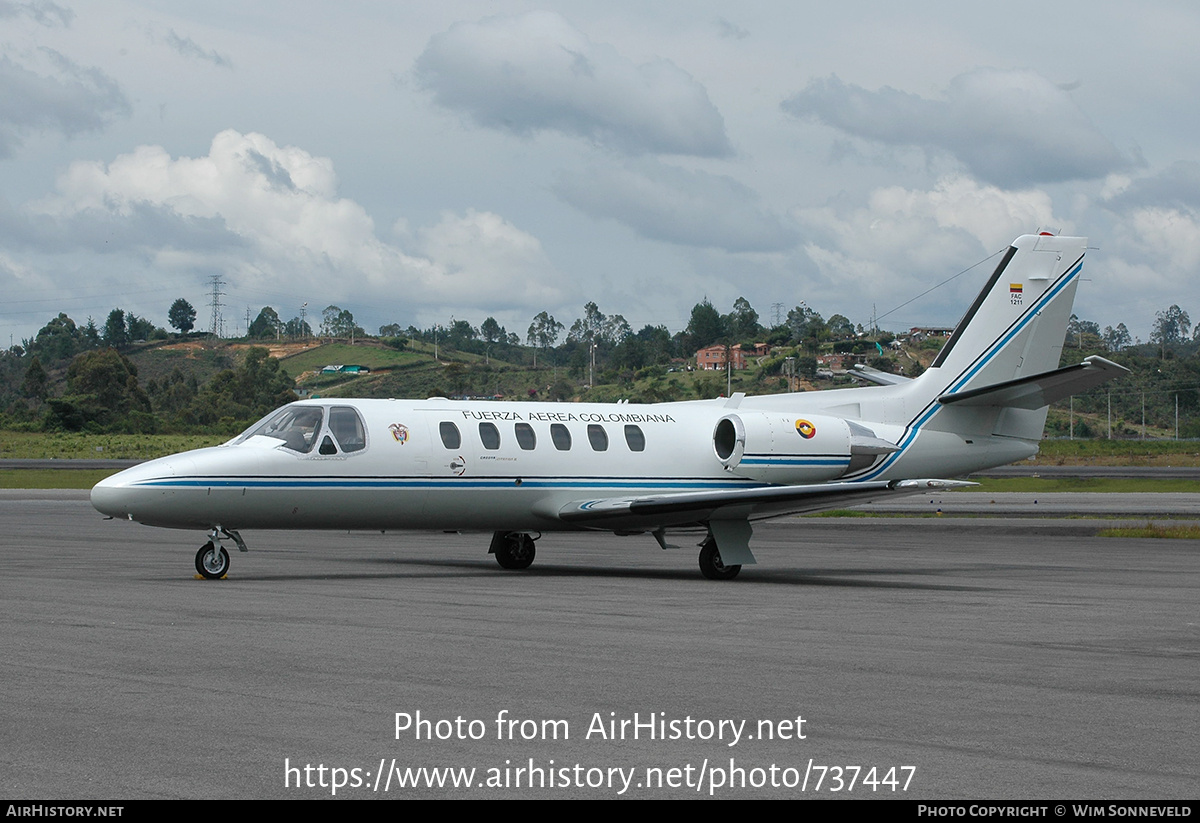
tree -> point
(1081, 333)
(139, 328)
(297, 328)
(1170, 326)
(267, 324)
(235, 397)
(460, 334)
(115, 333)
(60, 339)
(807, 326)
(615, 329)
(587, 328)
(182, 316)
(102, 393)
(1117, 339)
(705, 326)
(742, 322)
(543, 333)
(491, 331)
(36, 379)
(840, 327)
(336, 322)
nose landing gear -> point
(212, 561)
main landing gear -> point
(710, 562)
(212, 561)
(513, 550)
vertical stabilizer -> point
(1014, 329)
(1017, 324)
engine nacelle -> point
(774, 447)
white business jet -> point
(712, 467)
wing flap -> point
(653, 511)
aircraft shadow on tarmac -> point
(424, 568)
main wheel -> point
(515, 551)
(711, 565)
(212, 561)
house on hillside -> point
(714, 357)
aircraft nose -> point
(110, 497)
(126, 493)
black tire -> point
(711, 565)
(212, 561)
(516, 551)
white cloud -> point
(483, 255)
(535, 72)
(903, 241)
(270, 217)
(1177, 186)
(1166, 238)
(692, 208)
(1012, 128)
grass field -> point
(1179, 532)
(52, 478)
(1110, 485)
(1118, 453)
(80, 446)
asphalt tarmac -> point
(917, 658)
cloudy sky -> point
(417, 161)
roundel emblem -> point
(805, 429)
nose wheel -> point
(212, 561)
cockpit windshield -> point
(296, 425)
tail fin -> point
(1013, 332)
(1017, 324)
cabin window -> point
(490, 435)
(526, 438)
(347, 428)
(561, 437)
(451, 438)
(598, 437)
(327, 446)
(635, 439)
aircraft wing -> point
(667, 510)
(1039, 390)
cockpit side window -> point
(347, 428)
(296, 425)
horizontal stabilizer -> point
(1038, 390)
(883, 378)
